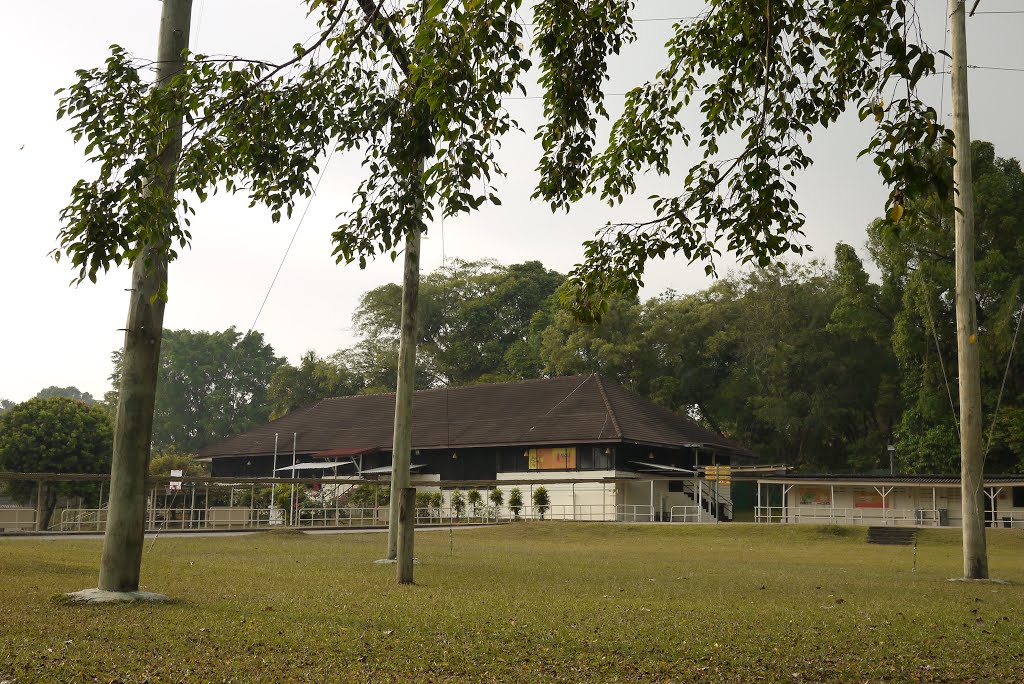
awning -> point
(657, 467)
(316, 466)
(387, 469)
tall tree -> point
(916, 263)
(475, 319)
(54, 435)
(211, 385)
(769, 358)
(315, 378)
(69, 392)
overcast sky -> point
(56, 334)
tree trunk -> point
(972, 458)
(124, 535)
(402, 440)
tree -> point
(211, 385)
(6, 405)
(766, 81)
(369, 496)
(423, 500)
(474, 499)
(918, 277)
(416, 92)
(497, 499)
(475, 320)
(70, 392)
(541, 500)
(54, 435)
(611, 347)
(163, 464)
(315, 378)
(457, 503)
(515, 501)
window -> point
(1018, 497)
(594, 458)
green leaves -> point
(575, 40)
(764, 77)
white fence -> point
(899, 517)
(685, 514)
(17, 518)
(237, 517)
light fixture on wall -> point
(455, 456)
(607, 451)
(650, 455)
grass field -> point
(531, 602)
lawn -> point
(530, 602)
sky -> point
(55, 333)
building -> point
(601, 451)
(900, 500)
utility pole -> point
(124, 535)
(972, 458)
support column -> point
(652, 500)
(757, 514)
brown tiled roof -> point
(561, 410)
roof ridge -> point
(608, 406)
(456, 388)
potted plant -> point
(497, 499)
(541, 500)
(515, 501)
(474, 500)
(458, 503)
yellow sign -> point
(721, 473)
(560, 458)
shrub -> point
(474, 499)
(497, 498)
(515, 501)
(458, 503)
(541, 500)
(368, 496)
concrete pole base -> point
(100, 596)
(392, 561)
(980, 581)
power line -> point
(292, 241)
(994, 68)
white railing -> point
(17, 518)
(712, 500)
(826, 515)
(83, 520)
(240, 518)
(685, 514)
(634, 513)
(1013, 519)
(341, 517)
